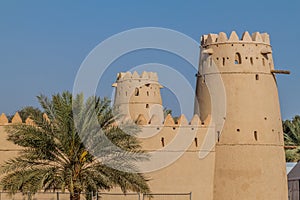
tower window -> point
(257, 77)
(263, 62)
(136, 92)
(126, 94)
(196, 142)
(223, 61)
(237, 59)
(147, 93)
(147, 105)
(255, 135)
(251, 60)
(162, 142)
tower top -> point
(150, 76)
(221, 38)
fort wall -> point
(247, 159)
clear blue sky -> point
(43, 43)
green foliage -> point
(28, 111)
(291, 129)
(25, 113)
(77, 148)
(166, 112)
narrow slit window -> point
(263, 62)
(223, 61)
(136, 92)
(255, 135)
(147, 105)
(147, 93)
(196, 142)
(238, 59)
(257, 77)
(251, 61)
(162, 142)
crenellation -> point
(221, 38)
(233, 37)
(146, 76)
(16, 119)
(212, 38)
(246, 37)
(182, 120)
(169, 121)
(29, 121)
(265, 38)
(135, 75)
(155, 120)
(250, 54)
(256, 36)
(141, 120)
(3, 119)
(195, 120)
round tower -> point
(138, 96)
(250, 161)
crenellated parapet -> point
(168, 121)
(147, 76)
(248, 54)
(16, 119)
(222, 38)
(156, 134)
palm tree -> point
(291, 129)
(73, 150)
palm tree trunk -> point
(75, 195)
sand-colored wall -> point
(249, 156)
(138, 94)
(7, 148)
(188, 173)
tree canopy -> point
(79, 147)
(291, 129)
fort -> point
(244, 158)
